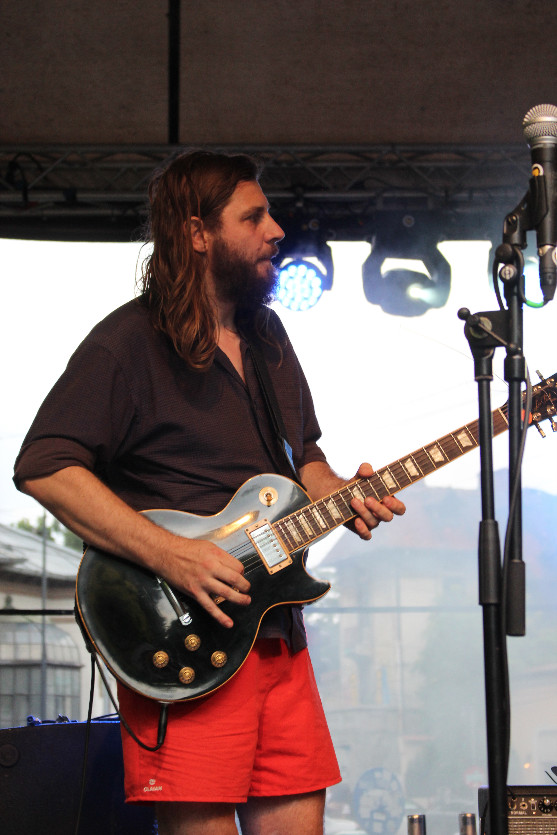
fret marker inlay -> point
(320, 519)
(464, 439)
(293, 532)
(305, 525)
(388, 480)
(333, 509)
(411, 468)
(436, 455)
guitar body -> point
(136, 628)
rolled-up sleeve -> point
(83, 421)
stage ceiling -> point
(359, 106)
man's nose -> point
(275, 232)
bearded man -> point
(161, 407)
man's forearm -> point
(76, 497)
(320, 480)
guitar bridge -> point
(274, 555)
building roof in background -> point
(21, 556)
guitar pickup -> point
(274, 555)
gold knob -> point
(160, 659)
(186, 675)
(219, 658)
(192, 642)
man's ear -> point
(196, 229)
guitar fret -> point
(474, 430)
(438, 455)
(464, 438)
(357, 492)
(310, 520)
(389, 480)
(320, 519)
(289, 522)
(326, 515)
(306, 527)
(382, 490)
(503, 421)
(347, 507)
(370, 482)
(411, 469)
(402, 477)
(284, 534)
(460, 441)
(333, 509)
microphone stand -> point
(501, 594)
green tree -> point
(37, 527)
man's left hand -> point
(371, 511)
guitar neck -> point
(303, 527)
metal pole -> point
(43, 624)
(173, 72)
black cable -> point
(86, 748)
(163, 716)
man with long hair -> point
(161, 407)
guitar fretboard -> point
(303, 527)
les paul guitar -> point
(162, 644)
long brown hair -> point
(194, 184)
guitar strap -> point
(273, 408)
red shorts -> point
(262, 734)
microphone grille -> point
(540, 121)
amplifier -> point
(531, 810)
(40, 782)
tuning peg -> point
(538, 427)
(540, 375)
(553, 424)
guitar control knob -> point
(192, 642)
(219, 658)
(186, 675)
(160, 659)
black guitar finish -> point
(130, 618)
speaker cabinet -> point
(40, 782)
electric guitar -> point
(163, 644)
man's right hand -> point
(76, 497)
(207, 573)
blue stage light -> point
(300, 284)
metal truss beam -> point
(99, 192)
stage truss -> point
(99, 192)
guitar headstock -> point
(544, 402)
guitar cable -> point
(160, 736)
(163, 715)
(86, 747)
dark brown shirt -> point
(157, 433)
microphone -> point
(540, 132)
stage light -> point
(300, 284)
(305, 271)
(405, 274)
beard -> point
(239, 280)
